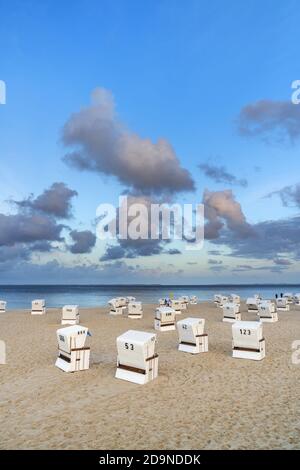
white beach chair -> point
(192, 338)
(135, 310)
(137, 361)
(248, 341)
(234, 298)
(2, 352)
(282, 304)
(252, 304)
(220, 300)
(267, 311)
(164, 319)
(193, 300)
(117, 306)
(184, 300)
(176, 305)
(289, 297)
(2, 306)
(297, 299)
(38, 307)
(70, 315)
(231, 312)
(73, 356)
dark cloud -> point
(173, 251)
(23, 251)
(273, 239)
(29, 228)
(219, 174)
(282, 262)
(222, 210)
(214, 252)
(133, 248)
(8, 253)
(103, 144)
(55, 201)
(271, 120)
(217, 268)
(34, 227)
(244, 268)
(289, 195)
(84, 241)
(215, 262)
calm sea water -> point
(18, 297)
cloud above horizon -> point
(273, 121)
(289, 195)
(35, 225)
(273, 239)
(83, 241)
(101, 143)
(55, 201)
(222, 210)
(219, 174)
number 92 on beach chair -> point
(192, 338)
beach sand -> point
(204, 401)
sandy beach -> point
(207, 401)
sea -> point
(20, 296)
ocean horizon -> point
(97, 295)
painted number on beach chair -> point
(129, 346)
(245, 332)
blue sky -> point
(183, 71)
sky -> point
(162, 100)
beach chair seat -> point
(220, 300)
(282, 304)
(117, 305)
(164, 319)
(137, 361)
(38, 307)
(231, 312)
(184, 300)
(234, 298)
(252, 304)
(297, 299)
(177, 305)
(192, 338)
(70, 315)
(135, 310)
(248, 341)
(267, 311)
(73, 356)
